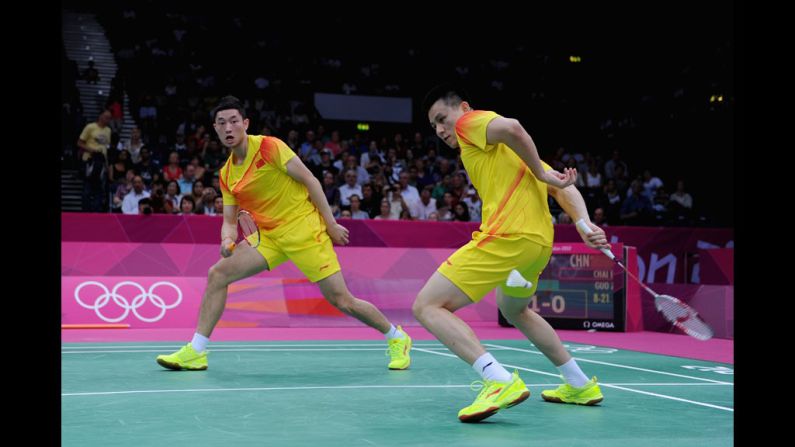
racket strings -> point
(247, 225)
(672, 308)
(683, 317)
(696, 328)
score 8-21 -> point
(602, 292)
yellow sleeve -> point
(229, 199)
(285, 154)
(470, 129)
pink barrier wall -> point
(716, 266)
(662, 252)
(148, 250)
(160, 285)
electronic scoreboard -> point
(581, 288)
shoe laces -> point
(481, 385)
(394, 349)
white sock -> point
(199, 342)
(573, 374)
(393, 333)
(490, 369)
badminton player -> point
(264, 177)
(516, 233)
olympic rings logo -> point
(139, 300)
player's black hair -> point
(229, 102)
(451, 94)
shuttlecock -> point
(515, 279)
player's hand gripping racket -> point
(246, 227)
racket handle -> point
(231, 247)
(587, 230)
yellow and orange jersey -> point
(514, 201)
(261, 186)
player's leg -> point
(533, 326)
(336, 292)
(434, 307)
(513, 303)
(577, 389)
(309, 247)
(462, 279)
(311, 250)
(244, 262)
(514, 306)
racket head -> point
(683, 317)
(248, 228)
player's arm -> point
(510, 132)
(572, 202)
(299, 172)
(229, 230)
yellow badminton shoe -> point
(186, 358)
(588, 394)
(493, 397)
(399, 349)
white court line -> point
(616, 365)
(605, 384)
(668, 384)
(221, 346)
(287, 349)
(505, 364)
(280, 388)
(199, 390)
(672, 398)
